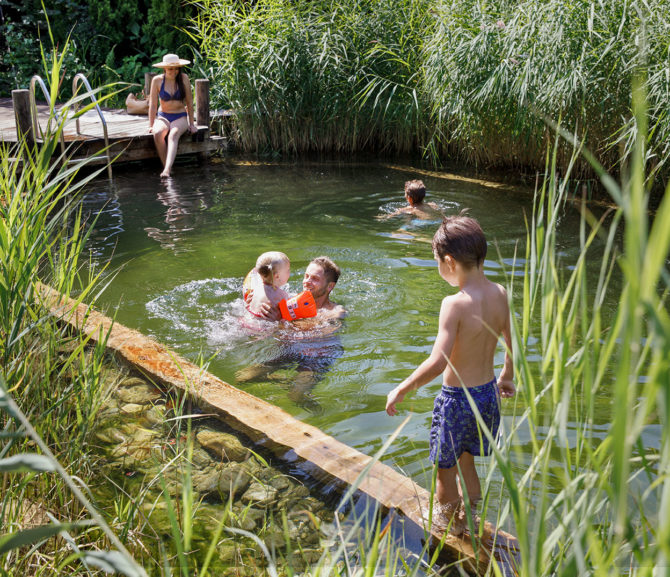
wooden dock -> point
(128, 134)
(272, 427)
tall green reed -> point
(452, 80)
(50, 380)
(318, 76)
(491, 67)
(587, 499)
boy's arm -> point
(435, 364)
(506, 379)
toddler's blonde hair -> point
(267, 264)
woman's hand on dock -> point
(192, 128)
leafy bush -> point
(105, 36)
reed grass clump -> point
(450, 80)
(318, 76)
(588, 492)
(495, 70)
(50, 380)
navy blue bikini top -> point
(164, 95)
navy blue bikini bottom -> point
(171, 116)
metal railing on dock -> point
(37, 129)
(125, 137)
(75, 84)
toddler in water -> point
(274, 269)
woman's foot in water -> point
(165, 174)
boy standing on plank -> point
(471, 321)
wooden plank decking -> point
(129, 136)
(273, 427)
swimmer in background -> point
(274, 269)
(415, 192)
(174, 117)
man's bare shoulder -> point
(332, 310)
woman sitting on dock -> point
(175, 114)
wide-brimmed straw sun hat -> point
(170, 60)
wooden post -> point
(24, 125)
(202, 102)
(148, 77)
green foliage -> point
(589, 498)
(454, 79)
(41, 238)
(108, 39)
(495, 70)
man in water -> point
(320, 279)
(415, 193)
(310, 359)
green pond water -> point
(180, 249)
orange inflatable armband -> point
(299, 307)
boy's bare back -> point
(472, 321)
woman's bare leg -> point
(160, 131)
(177, 128)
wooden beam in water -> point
(271, 426)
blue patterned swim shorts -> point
(454, 429)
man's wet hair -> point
(415, 191)
(462, 238)
(330, 269)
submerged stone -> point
(155, 415)
(221, 480)
(140, 393)
(224, 446)
(132, 409)
(201, 458)
(260, 494)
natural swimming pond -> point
(180, 249)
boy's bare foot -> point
(449, 516)
(472, 512)
(165, 174)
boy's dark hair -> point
(330, 269)
(415, 191)
(462, 238)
